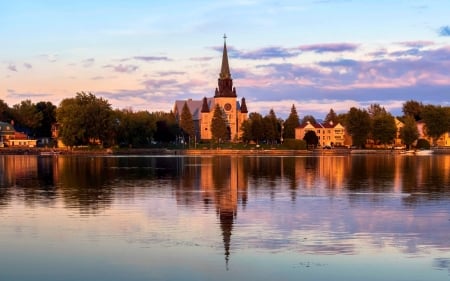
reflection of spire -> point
(226, 224)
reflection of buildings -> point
(224, 183)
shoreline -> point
(197, 152)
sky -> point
(144, 55)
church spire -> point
(225, 82)
(225, 69)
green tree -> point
(409, 132)
(219, 129)
(257, 126)
(134, 129)
(358, 125)
(246, 129)
(437, 121)
(187, 122)
(384, 129)
(84, 119)
(311, 138)
(331, 117)
(375, 110)
(26, 117)
(413, 108)
(48, 111)
(270, 124)
(166, 127)
(5, 112)
(292, 122)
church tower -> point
(225, 96)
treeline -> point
(86, 119)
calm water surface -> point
(374, 217)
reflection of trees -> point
(84, 183)
(31, 176)
(223, 182)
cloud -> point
(444, 31)
(260, 54)
(151, 58)
(202, 58)
(416, 44)
(329, 47)
(27, 65)
(129, 68)
(166, 73)
(88, 62)
(12, 67)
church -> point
(225, 96)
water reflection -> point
(346, 205)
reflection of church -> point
(224, 184)
(225, 96)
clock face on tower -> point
(227, 107)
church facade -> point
(225, 96)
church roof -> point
(194, 106)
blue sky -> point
(144, 55)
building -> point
(225, 96)
(6, 133)
(9, 137)
(329, 134)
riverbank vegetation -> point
(87, 120)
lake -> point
(352, 217)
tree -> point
(358, 125)
(219, 129)
(311, 138)
(413, 108)
(84, 119)
(187, 122)
(375, 110)
(134, 128)
(26, 117)
(292, 122)
(310, 119)
(48, 111)
(409, 132)
(246, 129)
(331, 117)
(270, 124)
(257, 126)
(5, 112)
(384, 129)
(437, 120)
(166, 127)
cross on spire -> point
(224, 37)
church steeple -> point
(225, 82)
(225, 69)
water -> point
(374, 217)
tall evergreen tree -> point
(292, 122)
(257, 126)
(409, 133)
(270, 124)
(219, 129)
(331, 117)
(187, 123)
